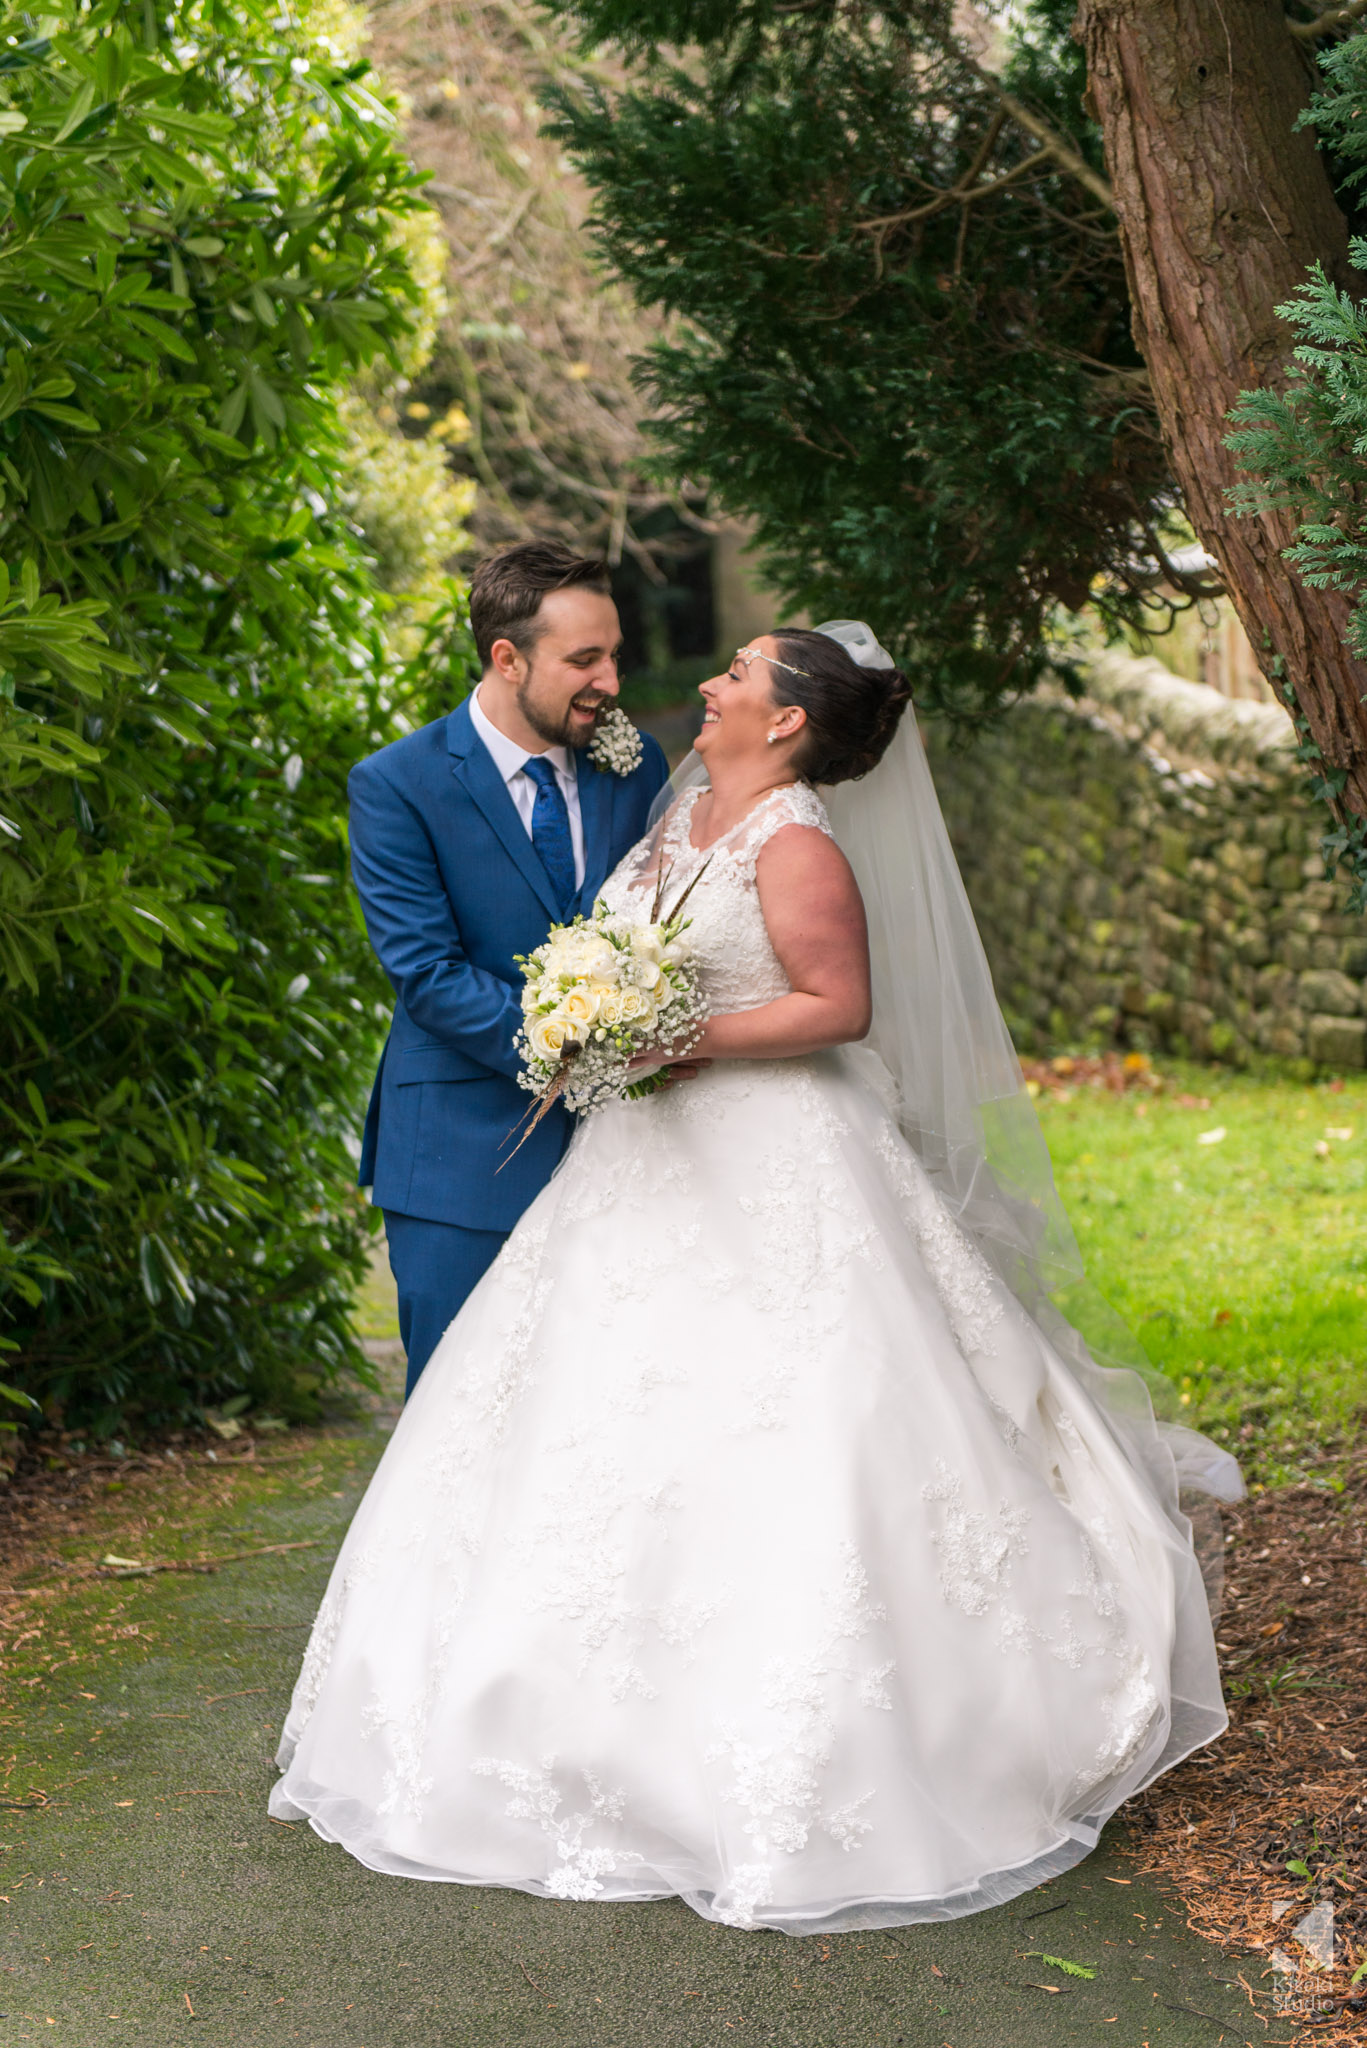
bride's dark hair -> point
(852, 712)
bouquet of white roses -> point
(600, 993)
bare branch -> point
(954, 195)
(497, 237)
(1195, 584)
(1062, 151)
(1325, 24)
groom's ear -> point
(505, 660)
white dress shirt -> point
(510, 759)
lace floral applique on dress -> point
(776, 1764)
(730, 939)
(580, 1866)
(975, 1549)
(965, 1283)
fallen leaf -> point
(1215, 1137)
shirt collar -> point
(508, 757)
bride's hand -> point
(686, 1069)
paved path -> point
(153, 1900)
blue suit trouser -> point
(435, 1266)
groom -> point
(469, 839)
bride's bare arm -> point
(815, 916)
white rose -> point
(546, 1036)
(610, 1006)
(646, 943)
(580, 1006)
(633, 1004)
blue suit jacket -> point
(452, 889)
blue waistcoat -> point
(452, 890)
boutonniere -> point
(616, 746)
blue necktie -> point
(551, 830)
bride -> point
(761, 1532)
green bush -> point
(204, 215)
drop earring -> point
(774, 738)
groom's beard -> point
(557, 728)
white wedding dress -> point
(744, 1538)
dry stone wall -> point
(1143, 868)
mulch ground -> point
(1270, 1821)
(48, 1502)
(1114, 1073)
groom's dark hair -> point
(507, 588)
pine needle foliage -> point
(901, 341)
(202, 208)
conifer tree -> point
(962, 309)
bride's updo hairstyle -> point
(852, 712)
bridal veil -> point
(962, 1103)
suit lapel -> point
(595, 814)
(473, 767)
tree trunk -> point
(1221, 209)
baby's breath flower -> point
(591, 1002)
(616, 746)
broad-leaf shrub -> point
(202, 210)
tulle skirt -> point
(745, 1540)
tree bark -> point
(1222, 207)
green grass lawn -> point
(1241, 1262)
(377, 1313)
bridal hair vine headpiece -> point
(749, 654)
(858, 640)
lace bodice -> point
(738, 965)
